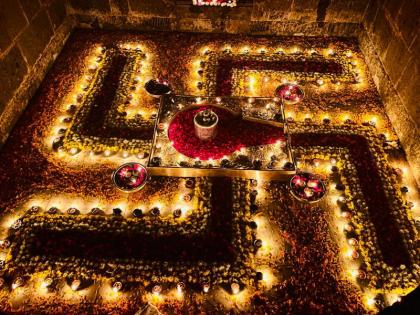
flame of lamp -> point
(206, 287)
(235, 288)
(117, 286)
(47, 282)
(157, 289)
(75, 285)
(313, 183)
(17, 283)
(308, 192)
(180, 287)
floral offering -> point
(233, 134)
(130, 177)
(290, 93)
(219, 222)
(307, 187)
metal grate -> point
(259, 26)
(239, 3)
(157, 23)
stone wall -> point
(391, 46)
(32, 32)
(311, 17)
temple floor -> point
(72, 243)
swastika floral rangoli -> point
(214, 227)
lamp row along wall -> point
(33, 32)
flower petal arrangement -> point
(145, 249)
(215, 227)
(250, 137)
(130, 177)
(307, 187)
(290, 93)
(233, 134)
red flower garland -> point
(224, 83)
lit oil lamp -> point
(189, 183)
(353, 242)
(155, 211)
(4, 244)
(72, 210)
(180, 287)
(355, 254)
(177, 213)
(75, 285)
(235, 287)
(361, 274)
(307, 187)
(93, 67)
(17, 283)
(57, 143)
(117, 286)
(313, 183)
(47, 282)
(157, 289)
(74, 151)
(206, 287)
(17, 224)
(142, 155)
(52, 210)
(137, 213)
(258, 243)
(96, 211)
(308, 192)
(348, 227)
(130, 177)
(346, 214)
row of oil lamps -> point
(117, 286)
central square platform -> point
(252, 139)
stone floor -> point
(354, 252)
